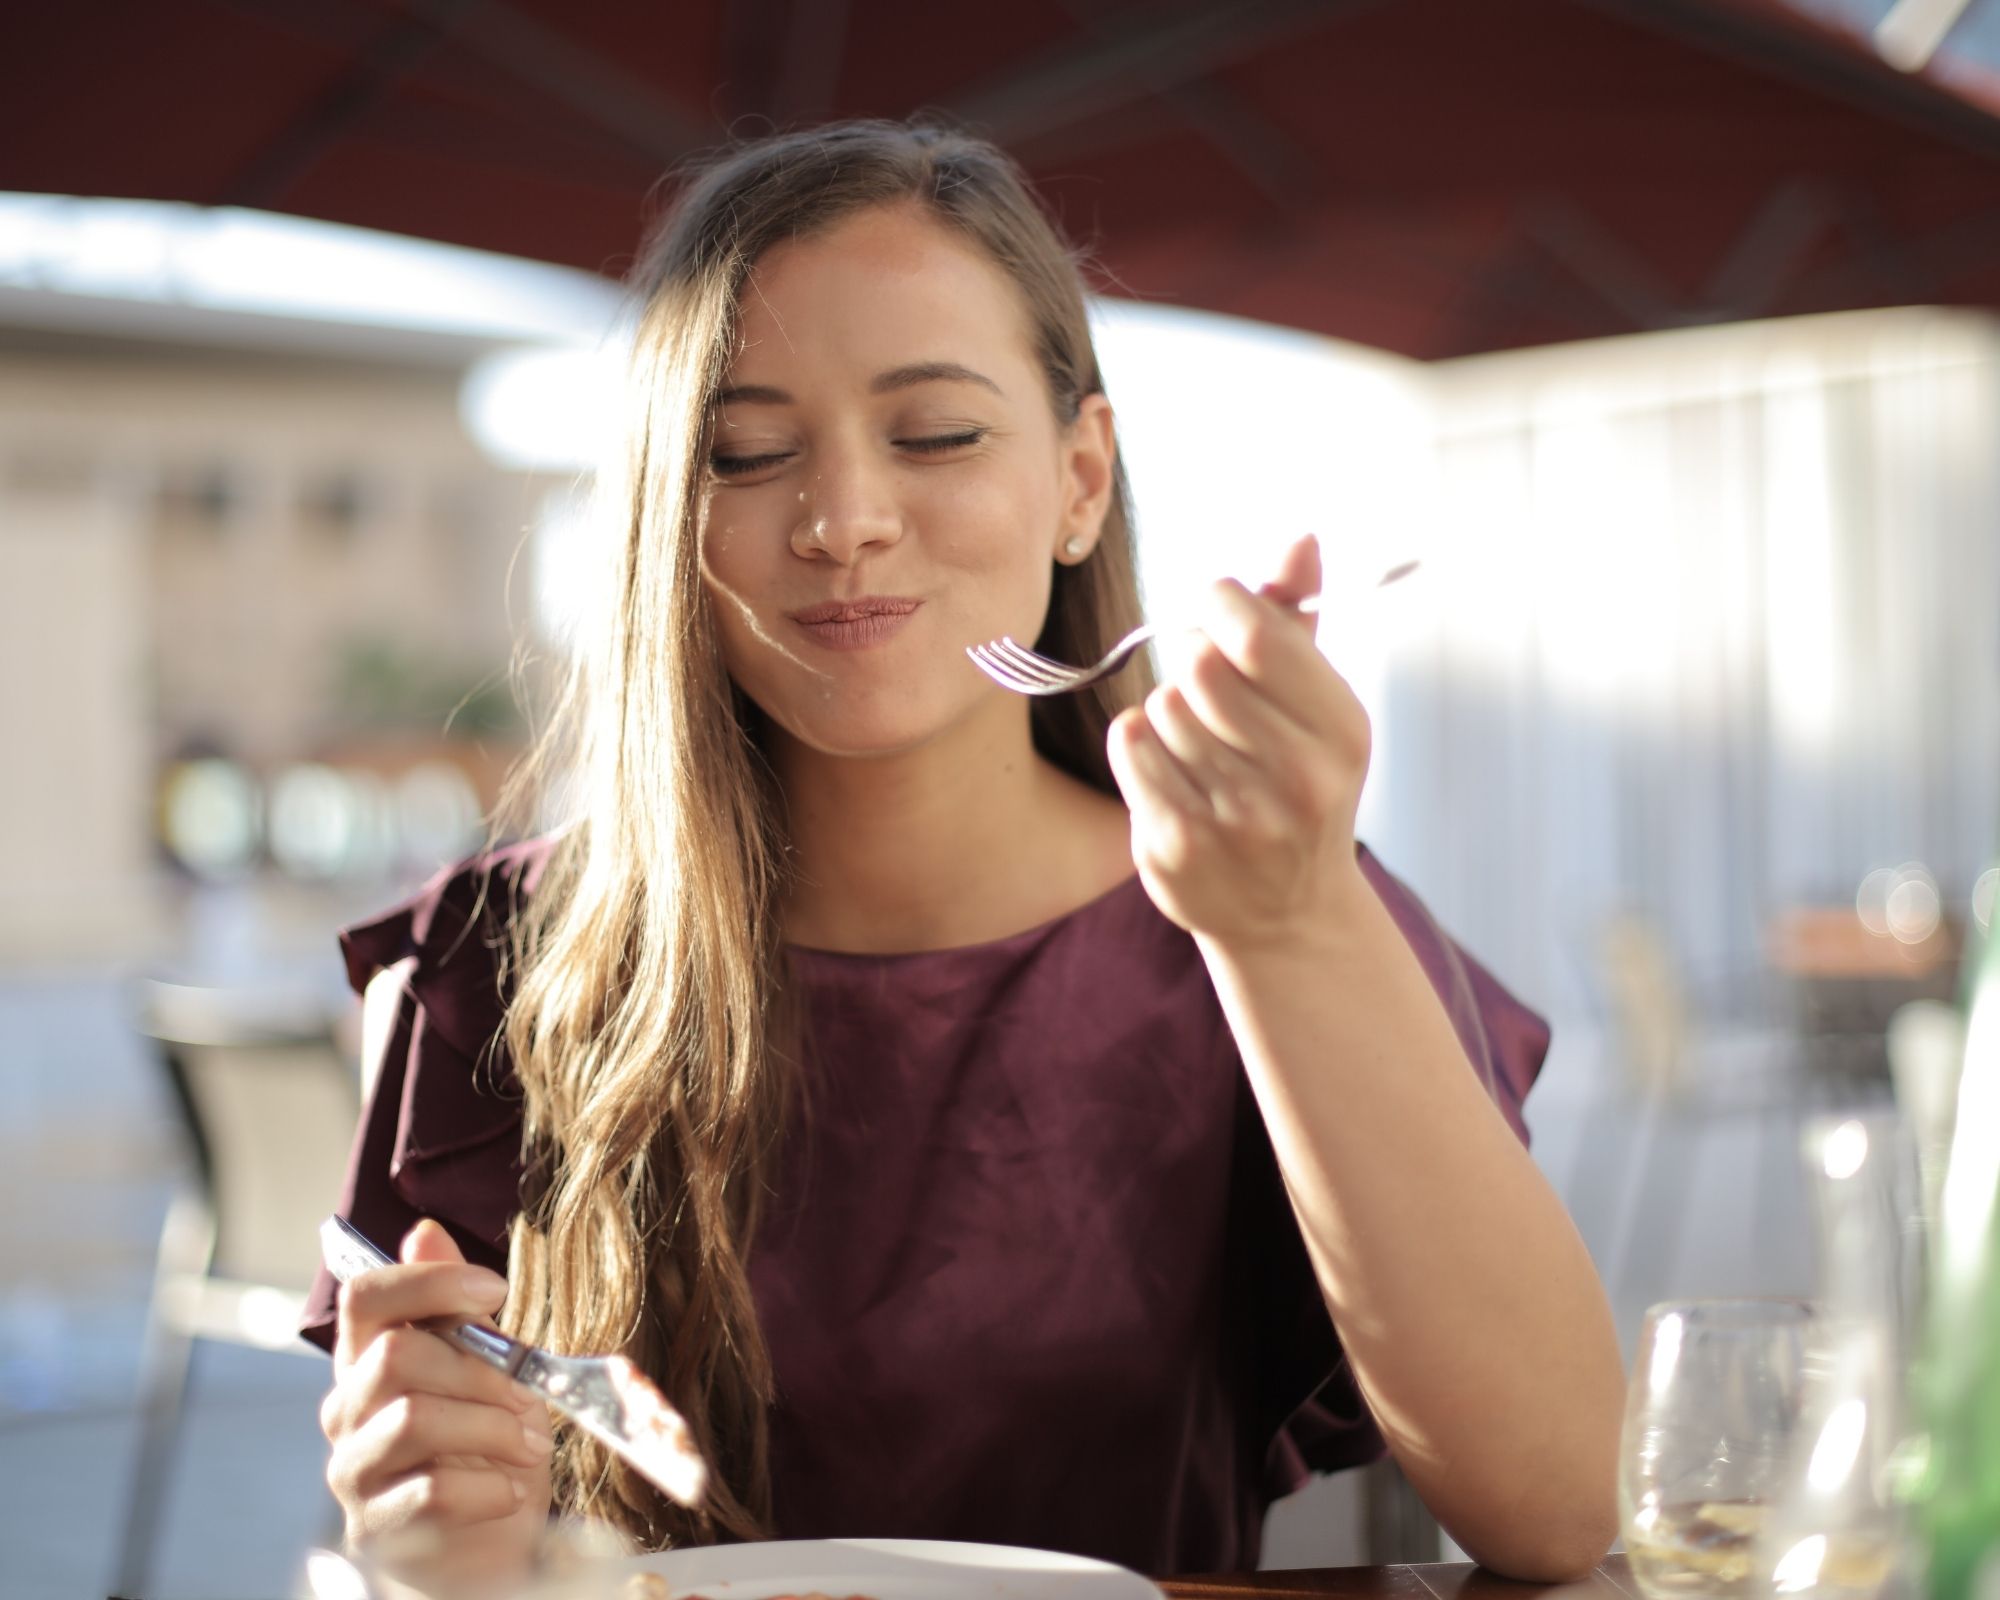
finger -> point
(1227, 779)
(389, 1297)
(1233, 708)
(1170, 817)
(412, 1361)
(429, 1241)
(1279, 658)
(1299, 578)
(414, 1430)
(442, 1496)
(1146, 772)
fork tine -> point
(1052, 676)
(1038, 668)
(1026, 671)
(1011, 678)
(1022, 671)
(987, 662)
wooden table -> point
(1823, 943)
(1847, 983)
(1611, 1581)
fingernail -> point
(479, 1284)
(520, 1490)
(539, 1444)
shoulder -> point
(449, 940)
(480, 893)
(440, 1132)
(1506, 1041)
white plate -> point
(890, 1569)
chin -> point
(860, 727)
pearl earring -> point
(1073, 547)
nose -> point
(848, 507)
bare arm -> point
(1467, 1304)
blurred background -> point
(1662, 334)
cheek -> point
(741, 554)
(729, 541)
(990, 520)
(730, 563)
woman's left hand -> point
(1243, 775)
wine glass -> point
(1711, 1420)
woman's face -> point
(888, 483)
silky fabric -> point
(1029, 1274)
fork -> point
(606, 1396)
(1015, 666)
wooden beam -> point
(549, 60)
(1808, 52)
(393, 53)
(1280, 169)
(1143, 51)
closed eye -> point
(944, 441)
(736, 466)
(934, 444)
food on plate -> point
(660, 1442)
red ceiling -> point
(1429, 176)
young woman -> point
(979, 1114)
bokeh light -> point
(1871, 900)
(1914, 907)
(437, 813)
(312, 821)
(211, 815)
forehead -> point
(880, 289)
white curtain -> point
(1714, 630)
(1708, 624)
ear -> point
(1089, 463)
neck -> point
(962, 840)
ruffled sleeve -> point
(440, 1134)
(1310, 1411)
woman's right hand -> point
(440, 1462)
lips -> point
(877, 605)
(855, 624)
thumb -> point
(1298, 576)
(428, 1241)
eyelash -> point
(742, 466)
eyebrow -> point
(908, 377)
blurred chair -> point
(1677, 1075)
(269, 1104)
(1648, 1006)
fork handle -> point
(348, 1252)
(1310, 606)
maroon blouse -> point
(1030, 1276)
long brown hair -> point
(649, 1029)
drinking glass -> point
(1711, 1420)
(1839, 1531)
